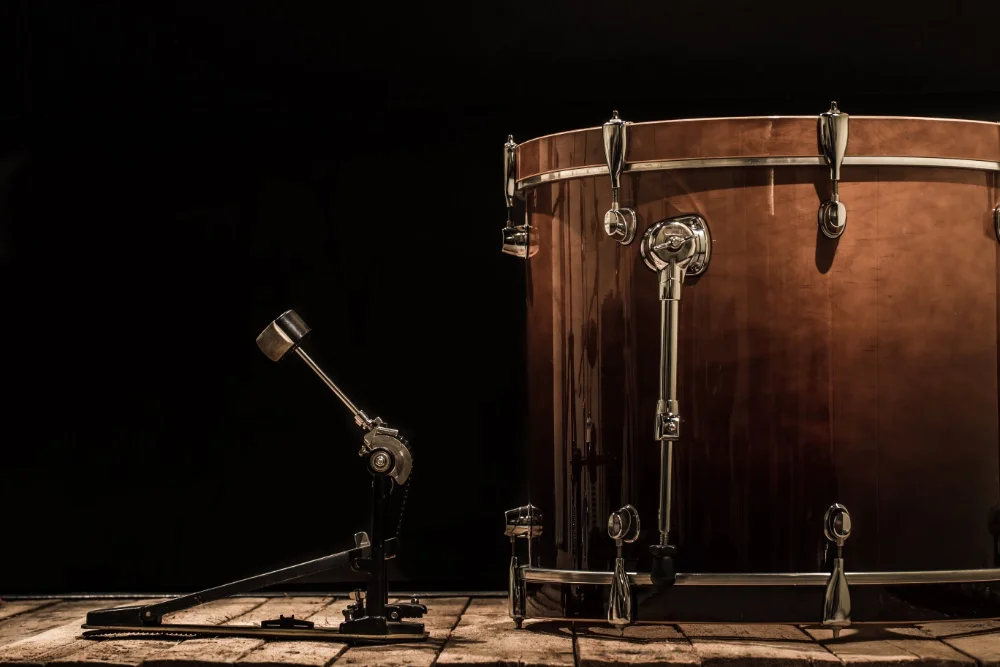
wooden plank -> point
(134, 650)
(43, 619)
(637, 645)
(215, 650)
(977, 639)
(38, 648)
(11, 608)
(771, 645)
(870, 645)
(442, 616)
(308, 653)
(486, 636)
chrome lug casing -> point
(833, 133)
(619, 223)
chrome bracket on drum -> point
(619, 223)
(833, 126)
(516, 239)
(623, 526)
(674, 248)
(526, 523)
(837, 600)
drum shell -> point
(861, 370)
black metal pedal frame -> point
(368, 620)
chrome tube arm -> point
(674, 248)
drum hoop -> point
(771, 161)
(552, 576)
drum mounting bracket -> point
(674, 248)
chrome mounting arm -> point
(674, 248)
(833, 126)
(619, 223)
(384, 446)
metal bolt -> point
(380, 462)
(671, 427)
(394, 615)
(675, 242)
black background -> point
(175, 175)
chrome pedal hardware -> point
(623, 526)
(521, 522)
(837, 600)
(516, 241)
(619, 223)
(833, 133)
(286, 334)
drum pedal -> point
(370, 619)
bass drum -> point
(852, 364)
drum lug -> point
(996, 222)
(517, 239)
(516, 592)
(619, 223)
(521, 522)
(833, 132)
(623, 526)
(837, 600)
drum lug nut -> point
(837, 600)
(619, 223)
(833, 143)
(517, 240)
(623, 526)
(521, 522)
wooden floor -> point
(477, 631)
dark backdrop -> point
(175, 175)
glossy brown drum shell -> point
(861, 371)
